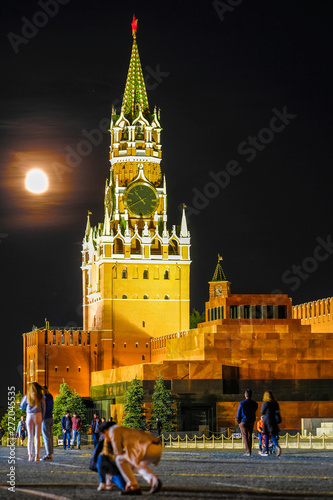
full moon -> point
(36, 181)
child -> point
(260, 425)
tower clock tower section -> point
(136, 269)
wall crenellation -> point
(319, 311)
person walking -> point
(246, 417)
(66, 424)
(95, 428)
(136, 450)
(47, 425)
(270, 412)
(76, 427)
(34, 404)
(21, 431)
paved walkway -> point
(192, 474)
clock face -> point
(141, 199)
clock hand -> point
(137, 201)
(141, 199)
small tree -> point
(195, 318)
(164, 407)
(71, 401)
(133, 406)
(17, 414)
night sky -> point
(244, 90)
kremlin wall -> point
(136, 305)
(208, 368)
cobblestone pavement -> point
(194, 474)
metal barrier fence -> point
(57, 441)
(287, 441)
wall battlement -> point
(318, 314)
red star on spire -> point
(134, 25)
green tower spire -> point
(135, 95)
(219, 273)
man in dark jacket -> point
(95, 429)
(246, 417)
(47, 425)
(66, 424)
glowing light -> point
(36, 181)
(134, 25)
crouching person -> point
(105, 461)
(135, 451)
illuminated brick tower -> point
(135, 271)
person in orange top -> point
(260, 425)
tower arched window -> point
(139, 133)
(166, 274)
(32, 368)
(166, 297)
(145, 274)
(124, 296)
(136, 246)
(156, 247)
(145, 297)
(79, 338)
(124, 274)
(173, 247)
(118, 246)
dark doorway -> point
(230, 375)
(193, 416)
